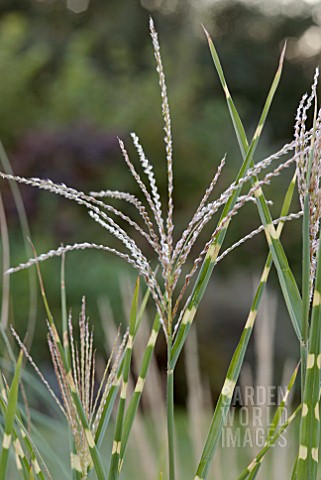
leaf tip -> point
(206, 32)
(282, 56)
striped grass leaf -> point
(224, 401)
(92, 447)
(310, 418)
(22, 463)
(276, 419)
(36, 460)
(9, 418)
(289, 287)
(24, 438)
(142, 309)
(247, 152)
(108, 407)
(114, 464)
(135, 399)
(112, 394)
(225, 398)
(272, 441)
(278, 414)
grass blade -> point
(114, 464)
(224, 401)
(21, 460)
(26, 234)
(134, 401)
(288, 285)
(259, 457)
(112, 395)
(247, 152)
(310, 421)
(25, 439)
(9, 418)
(276, 420)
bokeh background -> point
(75, 74)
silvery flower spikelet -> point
(83, 371)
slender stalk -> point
(305, 289)
(170, 412)
(306, 265)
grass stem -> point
(170, 413)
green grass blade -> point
(310, 421)
(108, 407)
(288, 285)
(223, 405)
(225, 398)
(114, 464)
(247, 152)
(135, 399)
(142, 309)
(21, 460)
(26, 234)
(37, 460)
(112, 394)
(25, 439)
(259, 457)
(276, 419)
(237, 122)
(9, 418)
(278, 414)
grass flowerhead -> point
(83, 373)
(151, 224)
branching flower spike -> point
(83, 374)
(155, 228)
(308, 152)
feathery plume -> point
(83, 374)
(157, 230)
